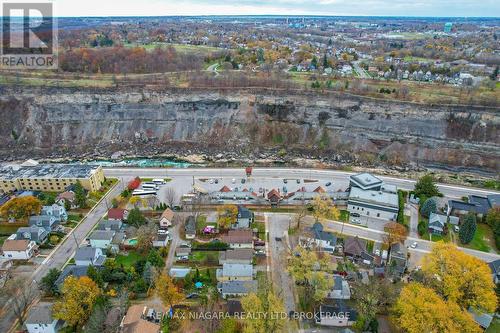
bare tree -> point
(22, 295)
(170, 196)
(145, 237)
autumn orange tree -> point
(226, 215)
(21, 208)
(78, 298)
(167, 291)
(395, 233)
(420, 309)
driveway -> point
(413, 220)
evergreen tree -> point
(429, 206)
(426, 187)
(80, 195)
(468, 229)
(314, 62)
(325, 62)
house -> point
(340, 288)
(34, 233)
(190, 227)
(234, 307)
(101, 238)
(243, 219)
(236, 256)
(166, 218)
(66, 197)
(239, 239)
(477, 205)
(336, 315)
(354, 246)
(45, 221)
(71, 270)
(117, 240)
(323, 239)
(161, 240)
(41, 320)
(236, 288)
(398, 259)
(117, 214)
(182, 251)
(437, 223)
(18, 249)
(114, 225)
(89, 256)
(235, 272)
(274, 197)
(139, 319)
(495, 270)
(58, 212)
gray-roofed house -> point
(71, 270)
(236, 256)
(235, 272)
(190, 227)
(398, 259)
(437, 223)
(101, 238)
(494, 200)
(323, 239)
(41, 320)
(35, 233)
(87, 256)
(236, 288)
(161, 240)
(340, 289)
(495, 270)
(45, 221)
(182, 251)
(458, 208)
(482, 319)
(58, 212)
(243, 219)
(115, 225)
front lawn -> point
(494, 327)
(344, 215)
(128, 260)
(204, 258)
(483, 239)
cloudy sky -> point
(466, 8)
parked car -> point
(298, 181)
(233, 181)
(414, 245)
(211, 181)
(243, 181)
(216, 181)
(278, 239)
(285, 181)
(328, 184)
(356, 221)
(260, 253)
(456, 228)
(355, 215)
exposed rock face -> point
(48, 120)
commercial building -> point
(49, 177)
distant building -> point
(50, 177)
(448, 26)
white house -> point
(101, 238)
(239, 239)
(161, 240)
(166, 218)
(18, 249)
(40, 319)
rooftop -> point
(237, 270)
(376, 197)
(241, 254)
(48, 171)
(366, 180)
(102, 235)
(237, 287)
(40, 314)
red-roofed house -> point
(117, 214)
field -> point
(181, 48)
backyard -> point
(483, 239)
(128, 260)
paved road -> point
(174, 232)
(64, 251)
(360, 70)
(340, 179)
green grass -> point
(2, 239)
(344, 215)
(482, 238)
(128, 260)
(74, 217)
(8, 229)
(261, 229)
(204, 258)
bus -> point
(149, 186)
(159, 181)
(143, 193)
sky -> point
(462, 8)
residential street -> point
(64, 250)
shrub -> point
(468, 229)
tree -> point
(426, 187)
(419, 309)
(226, 215)
(265, 311)
(146, 235)
(468, 229)
(97, 319)
(459, 277)
(48, 282)
(80, 195)
(493, 220)
(135, 218)
(429, 206)
(170, 196)
(395, 233)
(21, 295)
(21, 208)
(252, 304)
(77, 302)
(167, 291)
(324, 208)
